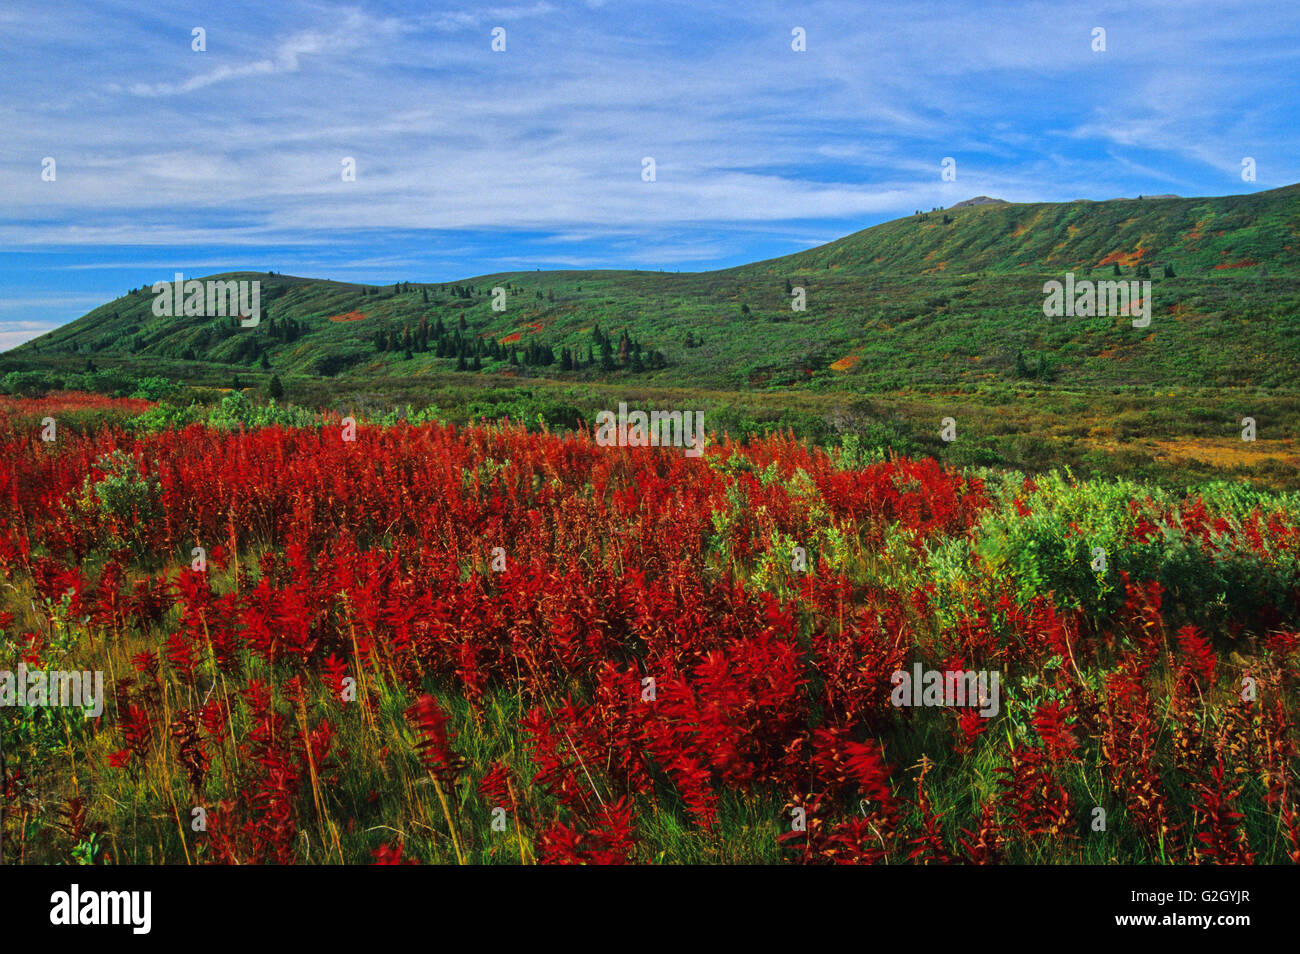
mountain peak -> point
(980, 200)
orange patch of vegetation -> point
(1229, 452)
(845, 363)
(1244, 263)
(1026, 226)
(516, 336)
(350, 316)
(1125, 259)
(70, 401)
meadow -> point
(474, 641)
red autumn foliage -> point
(648, 676)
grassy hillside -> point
(931, 315)
(941, 298)
(1195, 235)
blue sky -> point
(471, 161)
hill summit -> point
(980, 200)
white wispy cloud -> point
(354, 30)
(241, 146)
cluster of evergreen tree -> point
(1041, 370)
(399, 288)
(631, 356)
(286, 330)
(411, 341)
(470, 351)
(1142, 271)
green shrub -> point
(1048, 546)
(122, 497)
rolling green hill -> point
(947, 298)
(906, 323)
